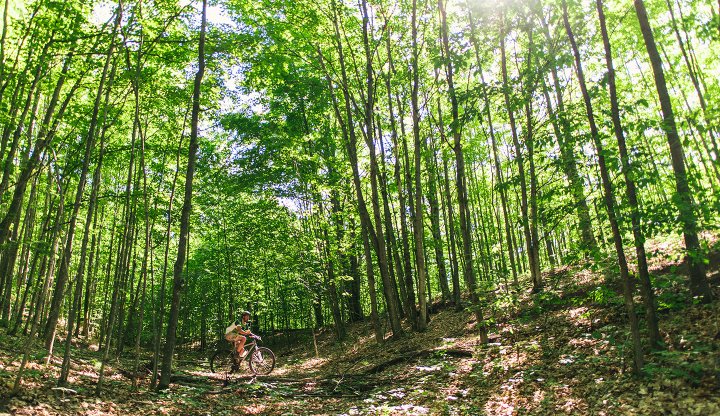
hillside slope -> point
(564, 351)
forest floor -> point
(564, 351)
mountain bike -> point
(261, 360)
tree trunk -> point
(391, 243)
(498, 173)
(403, 266)
(185, 216)
(418, 225)
(377, 233)
(566, 143)
(437, 239)
(44, 137)
(350, 140)
(64, 267)
(331, 289)
(609, 198)
(161, 307)
(519, 159)
(630, 190)
(534, 247)
(694, 256)
(468, 269)
(450, 229)
(145, 260)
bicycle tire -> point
(221, 361)
(262, 361)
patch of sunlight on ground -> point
(588, 343)
(538, 396)
(579, 316)
(517, 393)
(311, 364)
(256, 409)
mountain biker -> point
(238, 332)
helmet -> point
(243, 313)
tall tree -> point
(608, 198)
(460, 182)
(185, 215)
(683, 198)
(418, 225)
(630, 188)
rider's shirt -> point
(242, 326)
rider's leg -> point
(240, 344)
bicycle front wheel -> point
(221, 362)
(262, 361)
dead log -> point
(453, 352)
(188, 379)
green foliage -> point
(604, 296)
(670, 364)
(670, 296)
(548, 300)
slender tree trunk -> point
(609, 198)
(91, 282)
(376, 235)
(684, 201)
(356, 313)
(534, 247)
(498, 173)
(350, 140)
(418, 225)
(146, 253)
(389, 288)
(185, 216)
(468, 269)
(168, 229)
(566, 143)
(29, 280)
(403, 267)
(695, 81)
(331, 289)
(407, 253)
(44, 137)
(450, 227)
(2, 41)
(7, 266)
(630, 190)
(520, 160)
(432, 196)
(32, 98)
(391, 244)
(106, 283)
(64, 268)
(55, 241)
(374, 318)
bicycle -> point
(261, 360)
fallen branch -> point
(453, 352)
(188, 379)
(64, 390)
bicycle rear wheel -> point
(221, 362)
(262, 361)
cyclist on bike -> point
(238, 332)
